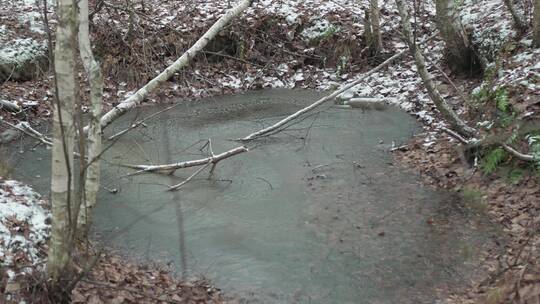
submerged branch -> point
(170, 168)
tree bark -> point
(536, 23)
(181, 62)
(376, 46)
(95, 79)
(63, 143)
(461, 56)
(9, 106)
(518, 21)
(427, 78)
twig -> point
(519, 155)
(140, 122)
(460, 92)
(177, 186)
(266, 181)
(399, 148)
(456, 136)
(476, 143)
(26, 129)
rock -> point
(378, 104)
(8, 136)
(23, 40)
(345, 96)
(22, 59)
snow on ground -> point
(22, 38)
(490, 24)
(24, 228)
(400, 84)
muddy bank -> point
(512, 202)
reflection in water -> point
(316, 214)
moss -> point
(472, 198)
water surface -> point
(315, 214)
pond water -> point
(315, 214)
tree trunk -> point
(461, 56)
(518, 21)
(427, 78)
(376, 46)
(63, 143)
(95, 79)
(181, 62)
(536, 23)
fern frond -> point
(493, 159)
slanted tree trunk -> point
(518, 20)
(536, 23)
(63, 142)
(449, 114)
(461, 56)
(181, 62)
(95, 79)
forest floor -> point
(297, 44)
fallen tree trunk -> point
(181, 62)
(170, 168)
(453, 119)
(9, 106)
(325, 99)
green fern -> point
(516, 175)
(493, 159)
(534, 144)
(501, 99)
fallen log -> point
(170, 168)
(325, 99)
(9, 106)
(181, 62)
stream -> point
(315, 214)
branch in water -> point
(170, 168)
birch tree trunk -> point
(460, 54)
(63, 142)
(449, 114)
(536, 23)
(181, 62)
(95, 79)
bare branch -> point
(519, 155)
(176, 187)
(9, 106)
(169, 168)
(325, 99)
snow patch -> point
(24, 227)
